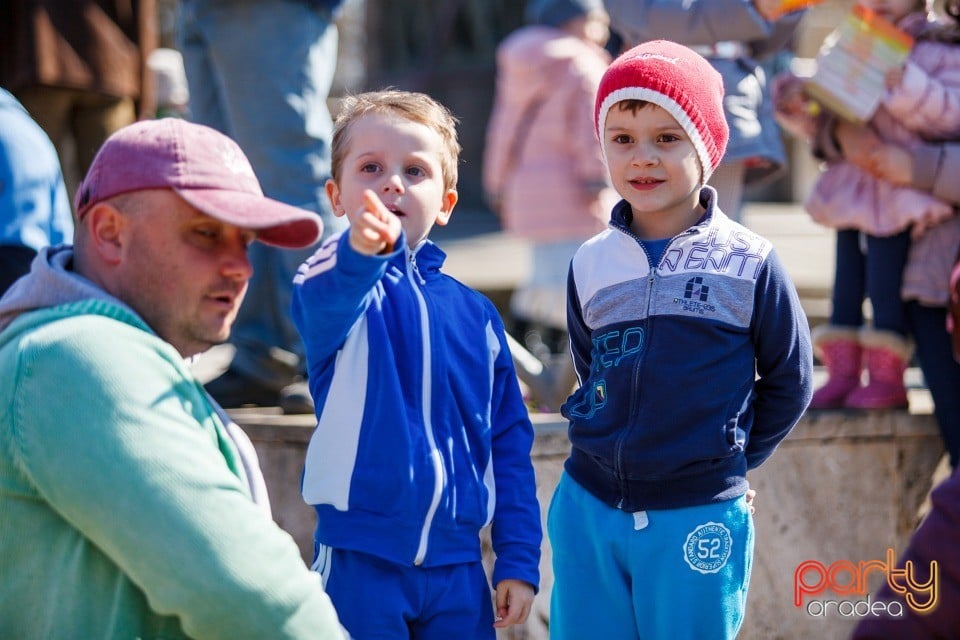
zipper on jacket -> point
(439, 473)
(634, 400)
(618, 462)
(415, 270)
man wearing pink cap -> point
(132, 506)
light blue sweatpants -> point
(676, 574)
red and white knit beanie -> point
(678, 80)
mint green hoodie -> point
(125, 510)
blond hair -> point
(410, 105)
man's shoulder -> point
(84, 332)
(92, 358)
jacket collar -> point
(428, 256)
(622, 215)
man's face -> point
(183, 271)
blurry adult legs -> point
(940, 371)
(261, 72)
(728, 181)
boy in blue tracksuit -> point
(694, 360)
(422, 436)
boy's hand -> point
(751, 495)
(514, 599)
(375, 229)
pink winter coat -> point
(543, 165)
(926, 277)
(926, 105)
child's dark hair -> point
(632, 105)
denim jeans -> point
(260, 71)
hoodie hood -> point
(51, 283)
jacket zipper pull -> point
(416, 270)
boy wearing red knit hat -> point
(694, 359)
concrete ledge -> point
(843, 486)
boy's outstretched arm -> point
(334, 286)
(514, 601)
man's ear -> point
(450, 198)
(105, 225)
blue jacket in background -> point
(422, 436)
(691, 372)
(34, 208)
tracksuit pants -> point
(675, 574)
(379, 599)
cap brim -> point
(276, 223)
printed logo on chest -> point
(736, 253)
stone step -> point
(844, 486)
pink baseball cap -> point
(204, 167)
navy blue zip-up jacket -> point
(422, 436)
(691, 372)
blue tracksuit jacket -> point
(691, 372)
(422, 434)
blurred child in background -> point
(873, 216)
(543, 171)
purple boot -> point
(838, 348)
